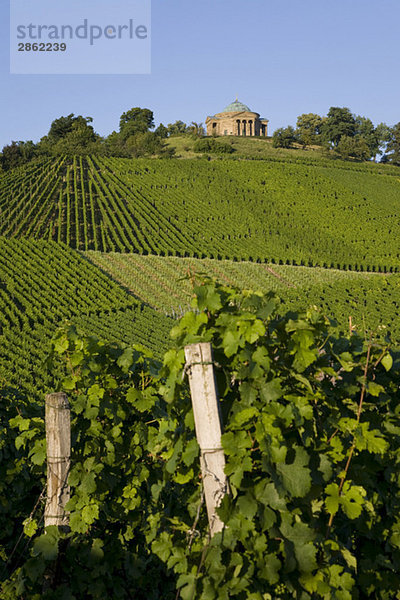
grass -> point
(262, 149)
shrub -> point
(211, 145)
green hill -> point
(371, 300)
(107, 243)
(276, 211)
(43, 284)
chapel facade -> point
(237, 119)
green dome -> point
(236, 107)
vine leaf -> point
(387, 362)
(296, 477)
(47, 544)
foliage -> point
(147, 144)
(284, 137)
(136, 120)
(16, 154)
(80, 141)
(311, 442)
(353, 147)
(339, 122)
(211, 145)
(383, 133)
(137, 145)
(161, 131)
(196, 130)
(349, 135)
(308, 129)
(62, 126)
(366, 133)
(71, 136)
(20, 478)
(311, 436)
(177, 128)
(393, 146)
(103, 555)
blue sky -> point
(281, 57)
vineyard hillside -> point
(368, 302)
(277, 211)
(43, 284)
(113, 245)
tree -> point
(28, 150)
(353, 147)
(161, 131)
(384, 135)
(80, 140)
(71, 135)
(115, 146)
(365, 129)
(136, 120)
(177, 128)
(284, 137)
(17, 153)
(196, 129)
(308, 128)
(11, 156)
(63, 126)
(393, 146)
(338, 122)
(147, 144)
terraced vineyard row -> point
(371, 300)
(248, 210)
(43, 284)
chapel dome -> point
(236, 107)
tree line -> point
(75, 135)
(344, 134)
(340, 133)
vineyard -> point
(166, 283)
(268, 211)
(145, 229)
(42, 284)
(99, 257)
(310, 447)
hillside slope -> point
(42, 286)
(277, 211)
(370, 301)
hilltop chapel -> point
(237, 119)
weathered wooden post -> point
(58, 440)
(208, 428)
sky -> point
(280, 57)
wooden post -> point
(208, 428)
(58, 440)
